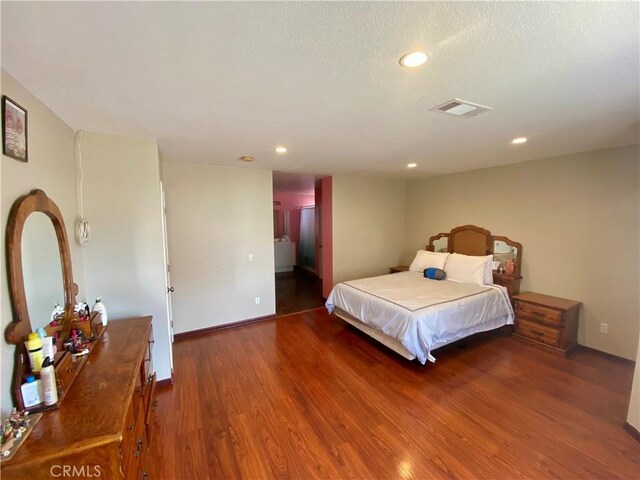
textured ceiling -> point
(214, 81)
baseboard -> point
(610, 356)
(631, 430)
(180, 336)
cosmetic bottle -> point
(49, 386)
(34, 347)
(48, 348)
(31, 392)
(101, 309)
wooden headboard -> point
(472, 240)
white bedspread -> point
(422, 314)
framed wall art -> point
(14, 130)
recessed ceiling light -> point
(414, 59)
(412, 165)
(519, 140)
(280, 149)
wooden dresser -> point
(103, 427)
(550, 323)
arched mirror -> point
(41, 268)
(38, 265)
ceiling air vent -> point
(461, 108)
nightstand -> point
(511, 283)
(550, 323)
(399, 268)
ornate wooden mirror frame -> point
(66, 367)
(36, 201)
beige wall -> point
(216, 217)
(51, 168)
(577, 218)
(125, 259)
(368, 226)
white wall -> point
(50, 168)
(216, 217)
(577, 218)
(125, 259)
(368, 226)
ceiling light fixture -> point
(412, 165)
(519, 140)
(247, 158)
(280, 149)
(414, 59)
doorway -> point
(298, 216)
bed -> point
(414, 315)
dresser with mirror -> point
(101, 423)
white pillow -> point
(425, 259)
(469, 269)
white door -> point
(167, 271)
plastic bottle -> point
(34, 347)
(100, 308)
(49, 386)
(31, 392)
(510, 267)
(48, 348)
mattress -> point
(422, 314)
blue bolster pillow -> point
(434, 273)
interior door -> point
(165, 244)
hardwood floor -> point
(306, 396)
(297, 291)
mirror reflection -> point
(503, 253)
(441, 244)
(43, 280)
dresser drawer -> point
(540, 314)
(136, 449)
(128, 435)
(537, 332)
(151, 406)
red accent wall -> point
(327, 236)
(292, 202)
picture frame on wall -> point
(14, 130)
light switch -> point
(251, 257)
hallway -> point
(297, 291)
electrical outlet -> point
(604, 328)
(257, 300)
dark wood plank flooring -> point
(297, 291)
(306, 396)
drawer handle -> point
(154, 405)
(138, 448)
(540, 314)
(144, 476)
(131, 428)
(537, 332)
